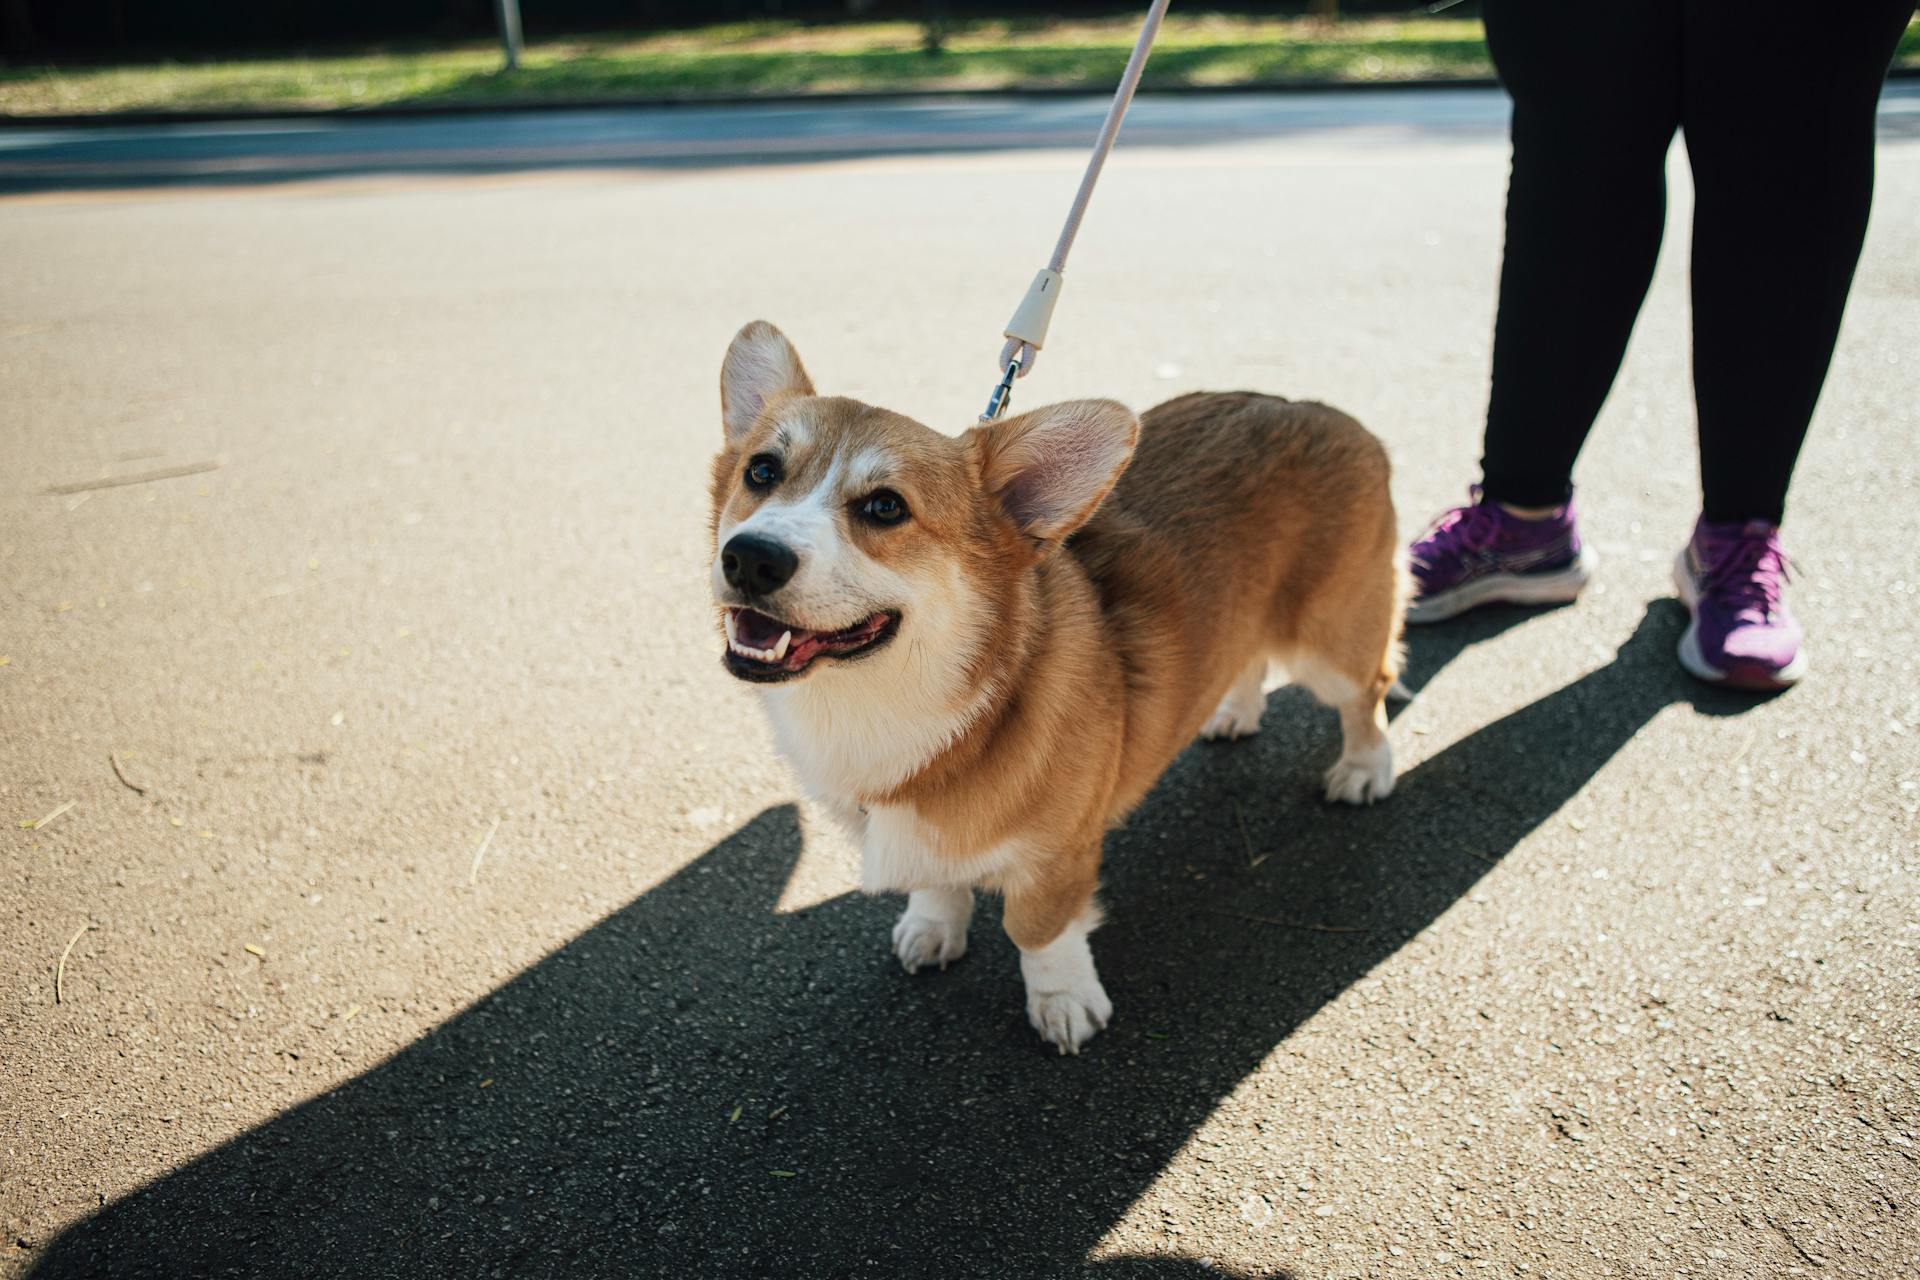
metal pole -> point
(508, 12)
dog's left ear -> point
(761, 367)
(1051, 467)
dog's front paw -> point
(922, 942)
(932, 931)
(1065, 1002)
(1229, 723)
(1362, 778)
(1068, 1019)
(1237, 716)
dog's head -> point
(845, 534)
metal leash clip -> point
(1002, 394)
(1026, 333)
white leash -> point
(1026, 333)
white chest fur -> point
(863, 730)
(901, 853)
(845, 743)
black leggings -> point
(1777, 102)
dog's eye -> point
(884, 506)
(763, 472)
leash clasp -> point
(1002, 394)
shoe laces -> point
(1749, 570)
(1470, 528)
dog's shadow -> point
(702, 1086)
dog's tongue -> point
(759, 631)
(756, 631)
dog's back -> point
(1247, 528)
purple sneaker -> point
(1480, 554)
(1732, 578)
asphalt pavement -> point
(395, 885)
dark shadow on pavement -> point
(1431, 647)
(887, 1125)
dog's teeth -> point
(734, 643)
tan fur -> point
(1246, 528)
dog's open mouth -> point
(763, 648)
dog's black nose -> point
(756, 564)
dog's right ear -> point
(761, 367)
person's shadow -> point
(700, 1085)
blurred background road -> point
(395, 885)
(252, 151)
(92, 156)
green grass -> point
(768, 58)
(746, 59)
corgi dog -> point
(979, 652)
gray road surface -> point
(37, 158)
(451, 914)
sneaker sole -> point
(1756, 677)
(1562, 586)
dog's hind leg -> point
(1238, 715)
(1364, 771)
(1348, 656)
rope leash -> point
(1026, 333)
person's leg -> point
(1596, 99)
(1778, 110)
